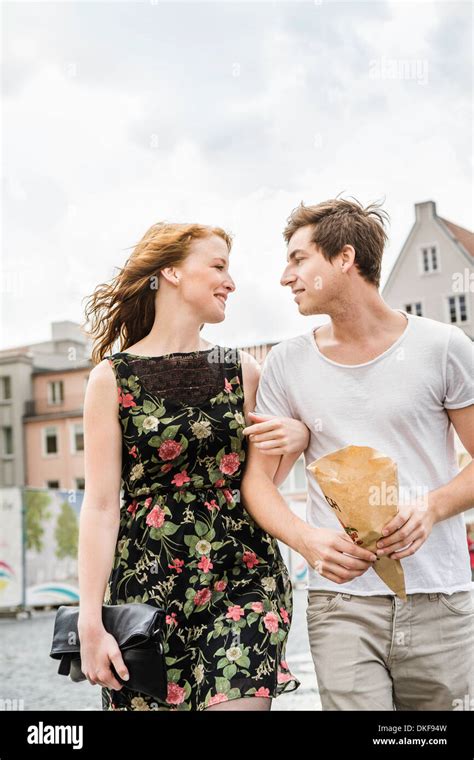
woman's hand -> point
(277, 435)
(99, 650)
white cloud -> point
(117, 116)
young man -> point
(379, 377)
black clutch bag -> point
(138, 629)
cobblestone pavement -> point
(29, 676)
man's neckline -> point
(409, 318)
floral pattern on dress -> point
(187, 544)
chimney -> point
(425, 210)
(67, 330)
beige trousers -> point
(379, 653)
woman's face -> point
(205, 282)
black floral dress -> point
(185, 541)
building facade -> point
(34, 381)
(433, 275)
(53, 429)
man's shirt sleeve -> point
(459, 370)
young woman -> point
(164, 419)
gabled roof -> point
(464, 240)
(463, 236)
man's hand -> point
(334, 555)
(407, 531)
(277, 435)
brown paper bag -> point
(355, 481)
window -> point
(5, 388)
(414, 308)
(55, 392)
(52, 484)
(457, 308)
(7, 441)
(80, 484)
(50, 440)
(77, 438)
(429, 259)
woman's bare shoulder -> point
(250, 370)
(102, 378)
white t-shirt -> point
(395, 403)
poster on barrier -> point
(11, 562)
(51, 538)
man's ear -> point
(347, 257)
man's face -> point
(314, 280)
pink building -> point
(53, 428)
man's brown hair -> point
(337, 223)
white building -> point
(433, 275)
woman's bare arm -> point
(100, 513)
(287, 462)
(295, 432)
(270, 510)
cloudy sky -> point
(119, 114)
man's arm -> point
(413, 523)
(458, 495)
(263, 501)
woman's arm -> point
(100, 512)
(285, 467)
(272, 435)
(98, 526)
(278, 519)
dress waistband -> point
(199, 491)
